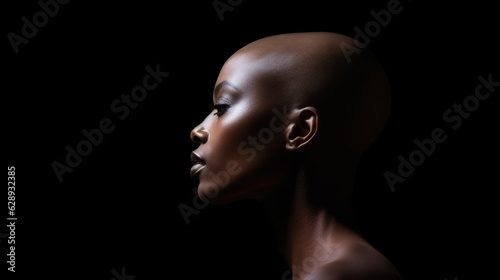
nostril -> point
(199, 135)
(196, 140)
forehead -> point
(252, 74)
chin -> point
(210, 192)
(216, 195)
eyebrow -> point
(219, 86)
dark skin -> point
(292, 119)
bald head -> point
(310, 69)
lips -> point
(198, 165)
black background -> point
(119, 207)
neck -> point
(312, 219)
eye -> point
(220, 108)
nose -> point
(199, 135)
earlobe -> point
(302, 128)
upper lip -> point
(196, 159)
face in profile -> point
(241, 154)
(291, 119)
(268, 99)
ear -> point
(302, 128)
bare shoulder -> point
(361, 263)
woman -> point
(293, 114)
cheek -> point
(231, 133)
(243, 148)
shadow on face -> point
(283, 103)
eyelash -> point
(220, 108)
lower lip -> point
(196, 169)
